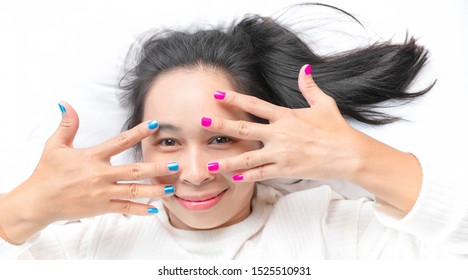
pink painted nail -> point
(238, 177)
(206, 122)
(308, 70)
(219, 95)
(212, 166)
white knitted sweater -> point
(313, 223)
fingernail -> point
(206, 122)
(308, 70)
(173, 166)
(153, 125)
(238, 177)
(153, 211)
(169, 189)
(62, 108)
(213, 166)
(219, 95)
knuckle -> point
(261, 173)
(136, 171)
(123, 139)
(66, 123)
(331, 100)
(49, 142)
(133, 191)
(89, 155)
(251, 103)
(97, 194)
(227, 164)
(158, 169)
(126, 207)
(221, 124)
(95, 179)
(310, 85)
(232, 98)
(248, 160)
(243, 129)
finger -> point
(135, 191)
(250, 104)
(132, 208)
(126, 139)
(238, 129)
(260, 173)
(244, 161)
(312, 93)
(141, 171)
(66, 132)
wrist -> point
(390, 174)
(17, 219)
(355, 157)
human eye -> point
(217, 140)
(168, 142)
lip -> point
(200, 204)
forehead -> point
(186, 95)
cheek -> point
(145, 151)
(243, 147)
(150, 155)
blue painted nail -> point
(62, 108)
(153, 211)
(173, 166)
(153, 124)
(169, 189)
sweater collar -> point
(224, 242)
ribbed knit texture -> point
(312, 224)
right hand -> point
(70, 183)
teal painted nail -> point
(169, 189)
(62, 108)
(153, 211)
(173, 166)
(153, 125)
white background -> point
(73, 51)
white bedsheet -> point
(73, 51)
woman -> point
(210, 145)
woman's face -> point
(178, 100)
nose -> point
(193, 168)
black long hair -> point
(262, 58)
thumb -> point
(65, 133)
(308, 87)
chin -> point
(202, 220)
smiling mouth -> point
(201, 204)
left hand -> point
(308, 143)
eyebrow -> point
(168, 127)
